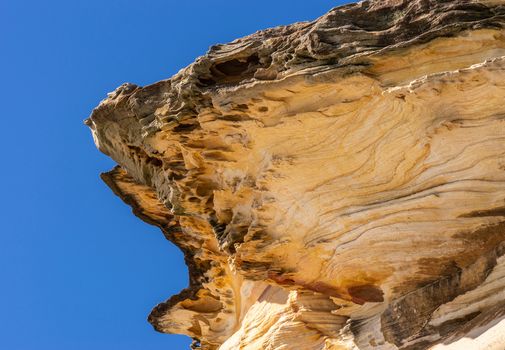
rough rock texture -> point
(335, 184)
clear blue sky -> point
(77, 269)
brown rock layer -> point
(335, 184)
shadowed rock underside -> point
(335, 184)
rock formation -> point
(335, 184)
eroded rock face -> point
(336, 184)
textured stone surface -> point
(336, 184)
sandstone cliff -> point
(335, 184)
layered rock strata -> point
(335, 184)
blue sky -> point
(77, 269)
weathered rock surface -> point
(336, 184)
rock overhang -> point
(337, 171)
